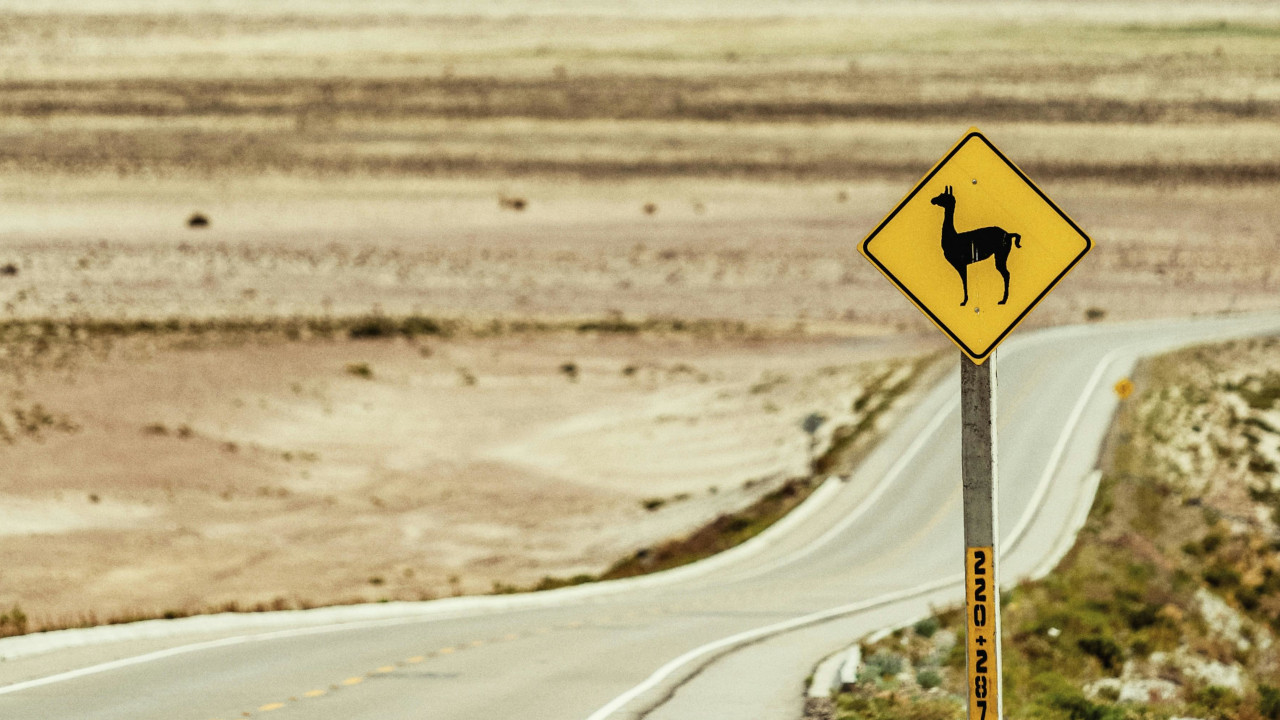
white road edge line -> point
(921, 441)
(1068, 537)
(1010, 541)
(890, 476)
(671, 667)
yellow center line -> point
(510, 636)
(476, 643)
(574, 624)
(271, 706)
(313, 693)
(447, 650)
(542, 630)
(353, 681)
(386, 669)
(415, 659)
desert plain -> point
(493, 294)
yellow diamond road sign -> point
(975, 245)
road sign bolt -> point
(974, 181)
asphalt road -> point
(730, 638)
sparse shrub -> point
(185, 432)
(1261, 465)
(927, 627)
(155, 428)
(956, 657)
(1094, 314)
(198, 220)
(360, 370)
(372, 326)
(1143, 617)
(13, 622)
(1269, 701)
(885, 663)
(1103, 648)
(517, 204)
(1078, 707)
(376, 580)
(570, 370)
(8, 270)
(93, 498)
(652, 504)
(1220, 575)
(1215, 697)
(872, 705)
(1249, 598)
(417, 325)
(650, 208)
(929, 678)
(467, 377)
(551, 583)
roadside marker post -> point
(981, 520)
(976, 283)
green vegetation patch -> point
(1169, 603)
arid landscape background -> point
(490, 295)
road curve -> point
(730, 638)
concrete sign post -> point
(981, 520)
(975, 246)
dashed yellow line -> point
(357, 679)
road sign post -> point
(975, 246)
(981, 582)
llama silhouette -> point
(966, 248)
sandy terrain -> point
(640, 161)
(183, 478)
